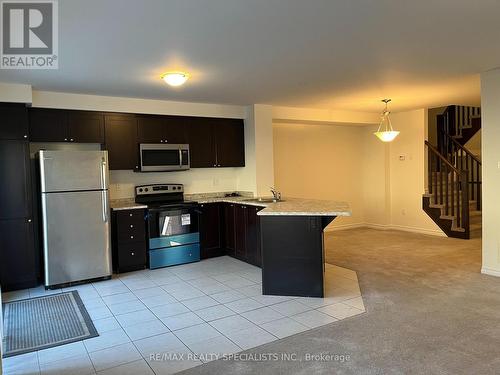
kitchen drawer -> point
(172, 241)
(125, 218)
(174, 255)
(131, 256)
(131, 233)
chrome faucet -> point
(276, 194)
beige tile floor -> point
(166, 320)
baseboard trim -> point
(490, 272)
(431, 232)
(344, 227)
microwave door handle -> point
(180, 158)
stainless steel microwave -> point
(161, 157)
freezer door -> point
(73, 170)
(77, 240)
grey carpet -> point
(43, 322)
(429, 311)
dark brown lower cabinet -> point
(129, 240)
(243, 232)
(211, 230)
(240, 250)
(18, 267)
(229, 228)
(252, 236)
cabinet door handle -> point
(132, 237)
(71, 140)
(218, 165)
(166, 141)
(130, 215)
(29, 220)
(25, 136)
(131, 225)
(132, 253)
(66, 139)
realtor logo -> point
(29, 35)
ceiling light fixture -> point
(385, 131)
(175, 78)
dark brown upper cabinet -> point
(150, 129)
(85, 127)
(201, 141)
(216, 142)
(121, 141)
(55, 125)
(230, 141)
(213, 142)
(14, 121)
(176, 129)
(48, 125)
(161, 129)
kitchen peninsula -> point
(291, 242)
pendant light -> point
(385, 131)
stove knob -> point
(146, 189)
(140, 190)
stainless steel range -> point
(173, 225)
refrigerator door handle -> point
(180, 158)
(103, 174)
(104, 195)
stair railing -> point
(458, 117)
(464, 160)
(448, 187)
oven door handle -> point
(180, 158)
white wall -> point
(321, 162)
(15, 93)
(48, 99)
(376, 180)
(408, 176)
(490, 155)
(347, 162)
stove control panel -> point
(159, 189)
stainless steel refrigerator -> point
(76, 217)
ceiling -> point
(318, 53)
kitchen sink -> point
(264, 200)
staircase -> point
(453, 198)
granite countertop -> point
(125, 204)
(306, 207)
(289, 206)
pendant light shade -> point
(385, 131)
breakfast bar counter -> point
(293, 247)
